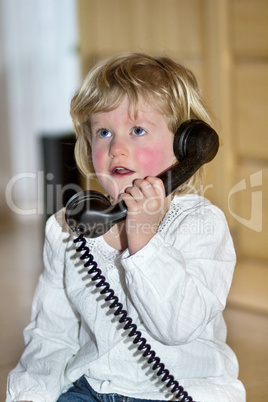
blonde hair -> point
(172, 86)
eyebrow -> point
(136, 121)
(93, 117)
(147, 121)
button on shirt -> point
(174, 289)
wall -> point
(39, 71)
(5, 162)
(248, 38)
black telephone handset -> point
(195, 143)
(91, 214)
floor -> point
(20, 250)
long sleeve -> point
(52, 336)
(180, 280)
(175, 289)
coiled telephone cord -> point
(153, 360)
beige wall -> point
(225, 43)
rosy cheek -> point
(151, 162)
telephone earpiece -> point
(195, 143)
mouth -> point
(121, 171)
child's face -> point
(125, 148)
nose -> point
(118, 147)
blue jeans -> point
(82, 391)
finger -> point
(157, 185)
(131, 203)
(145, 187)
(134, 191)
(133, 195)
(153, 186)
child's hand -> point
(146, 203)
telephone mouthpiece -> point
(91, 214)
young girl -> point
(170, 262)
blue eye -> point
(138, 131)
(104, 133)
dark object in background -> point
(61, 176)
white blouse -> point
(175, 290)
